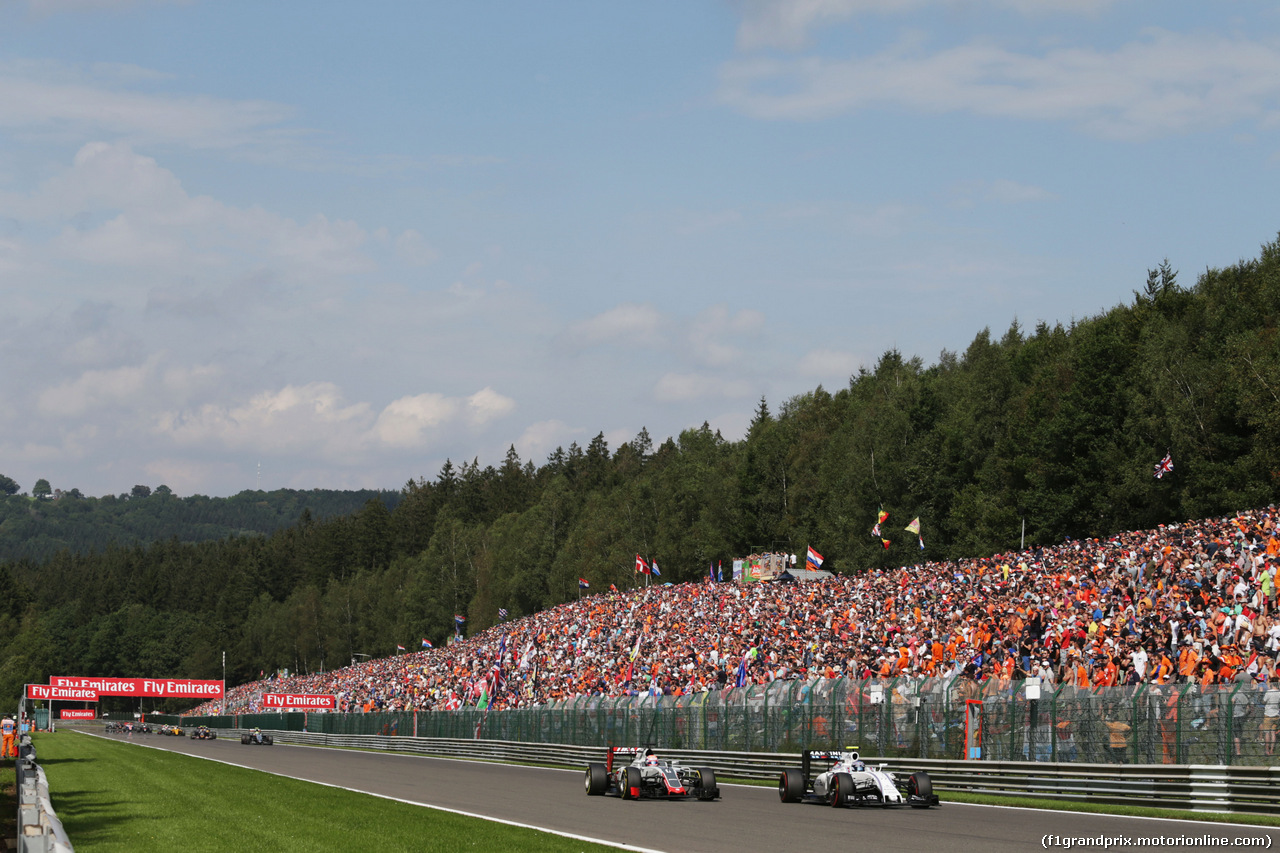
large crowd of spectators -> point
(1182, 602)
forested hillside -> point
(38, 526)
(1059, 426)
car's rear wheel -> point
(597, 780)
(841, 788)
(920, 785)
(791, 786)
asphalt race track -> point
(744, 819)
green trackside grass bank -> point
(114, 796)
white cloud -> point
(54, 98)
(96, 389)
(405, 422)
(787, 23)
(413, 249)
(829, 363)
(315, 419)
(1163, 84)
(48, 7)
(625, 325)
(488, 405)
(539, 439)
(151, 222)
(715, 336)
(1012, 192)
(680, 387)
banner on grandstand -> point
(73, 714)
(300, 701)
(164, 688)
(74, 694)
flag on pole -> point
(582, 584)
(641, 566)
(886, 543)
(613, 587)
(813, 560)
(719, 570)
(400, 648)
(653, 567)
(426, 644)
(921, 543)
(502, 613)
(741, 678)
(914, 526)
(1164, 466)
(881, 518)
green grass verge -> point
(116, 797)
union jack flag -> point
(1164, 466)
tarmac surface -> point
(745, 818)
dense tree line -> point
(50, 520)
(1057, 427)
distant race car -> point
(843, 779)
(203, 733)
(257, 737)
(635, 773)
(173, 731)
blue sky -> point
(349, 241)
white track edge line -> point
(517, 824)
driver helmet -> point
(650, 758)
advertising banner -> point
(74, 694)
(164, 688)
(299, 701)
(70, 714)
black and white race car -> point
(636, 773)
(843, 779)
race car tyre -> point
(920, 785)
(268, 740)
(707, 789)
(841, 789)
(597, 780)
(244, 739)
(631, 779)
(791, 786)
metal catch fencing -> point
(897, 718)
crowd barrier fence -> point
(928, 718)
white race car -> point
(647, 777)
(843, 779)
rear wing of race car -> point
(627, 751)
(825, 757)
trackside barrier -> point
(1197, 787)
(39, 830)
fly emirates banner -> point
(165, 688)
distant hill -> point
(37, 528)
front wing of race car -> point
(667, 781)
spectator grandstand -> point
(1180, 603)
